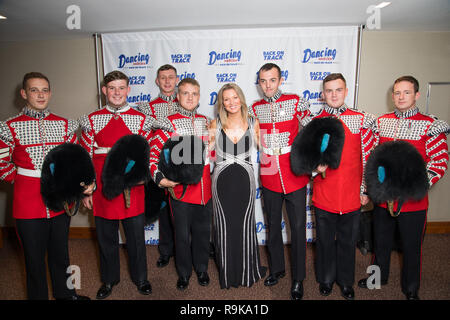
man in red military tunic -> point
(279, 116)
(338, 197)
(428, 135)
(25, 140)
(192, 213)
(100, 131)
(164, 105)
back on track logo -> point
(138, 61)
(181, 58)
(318, 75)
(226, 77)
(273, 55)
(324, 56)
(136, 80)
(229, 58)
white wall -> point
(70, 67)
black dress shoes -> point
(144, 287)
(104, 291)
(297, 290)
(412, 296)
(163, 261)
(347, 292)
(182, 283)
(75, 297)
(272, 279)
(325, 289)
(203, 278)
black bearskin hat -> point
(395, 170)
(126, 164)
(320, 142)
(182, 159)
(67, 168)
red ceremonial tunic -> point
(184, 123)
(341, 189)
(160, 107)
(100, 131)
(279, 119)
(427, 134)
(25, 140)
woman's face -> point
(231, 101)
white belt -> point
(29, 172)
(101, 150)
(277, 151)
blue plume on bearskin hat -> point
(182, 159)
(320, 142)
(126, 165)
(395, 171)
(66, 169)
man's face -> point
(116, 93)
(188, 96)
(37, 93)
(167, 81)
(335, 92)
(404, 96)
(269, 81)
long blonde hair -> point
(223, 114)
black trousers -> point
(108, 241)
(155, 197)
(411, 226)
(166, 232)
(192, 225)
(336, 237)
(40, 237)
(296, 210)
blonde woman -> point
(232, 136)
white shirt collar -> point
(125, 108)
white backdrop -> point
(215, 57)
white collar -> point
(124, 108)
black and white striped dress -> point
(233, 194)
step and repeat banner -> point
(215, 57)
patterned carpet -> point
(435, 283)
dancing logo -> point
(314, 97)
(138, 61)
(185, 74)
(138, 98)
(229, 58)
(260, 226)
(324, 56)
(212, 98)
